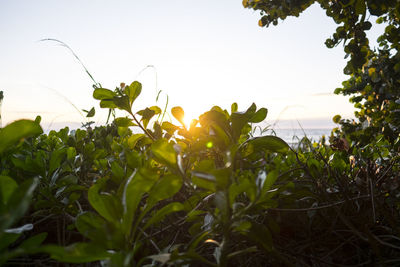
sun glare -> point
(189, 117)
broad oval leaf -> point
(133, 139)
(102, 93)
(107, 103)
(164, 152)
(166, 187)
(17, 130)
(122, 102)
(156, 109)
(269, 142)
(259, 116)
(164, 211)
(178, 114)
(123, 122)
(105, 204)
(133, 91)
(169, 127)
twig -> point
(151, 240)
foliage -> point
(142, 191)
(211, 193)
(374, 74)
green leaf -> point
(164, 152)
(252, 109)
(360, 7)
(90, 113)
(7, 187)
(165, 188)
(146, 114)
(71, 153)
(259, 116)
(138, 184)
(133, 139)
(234, 108)
(270, 180)
(105, 204)
(91, 226)
(178, 114)
(18, 203)
(77, 253)
(123, 122)
(169, 127)
(117, 171)
(336, 118)
(122, 102)
(204, 180)
(161, 213)
(55, 159)
(133, 91)
(260, 234)
(156, 109)
(268, 142)
(214, 116)
(107, 103)
(16, 131)
(33, 242)
(7, 239)
(102, 93)
(244, 185)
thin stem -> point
(141, 127)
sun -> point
(189, 117)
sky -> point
(198, 53)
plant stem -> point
(141, 127)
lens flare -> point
(209, 144)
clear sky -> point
(205, 53)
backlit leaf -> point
(133, 91)
(164, 152)
(178, 114)
(105, 204)
(165, 187)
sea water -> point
(293, 136)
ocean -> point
(292, 136)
